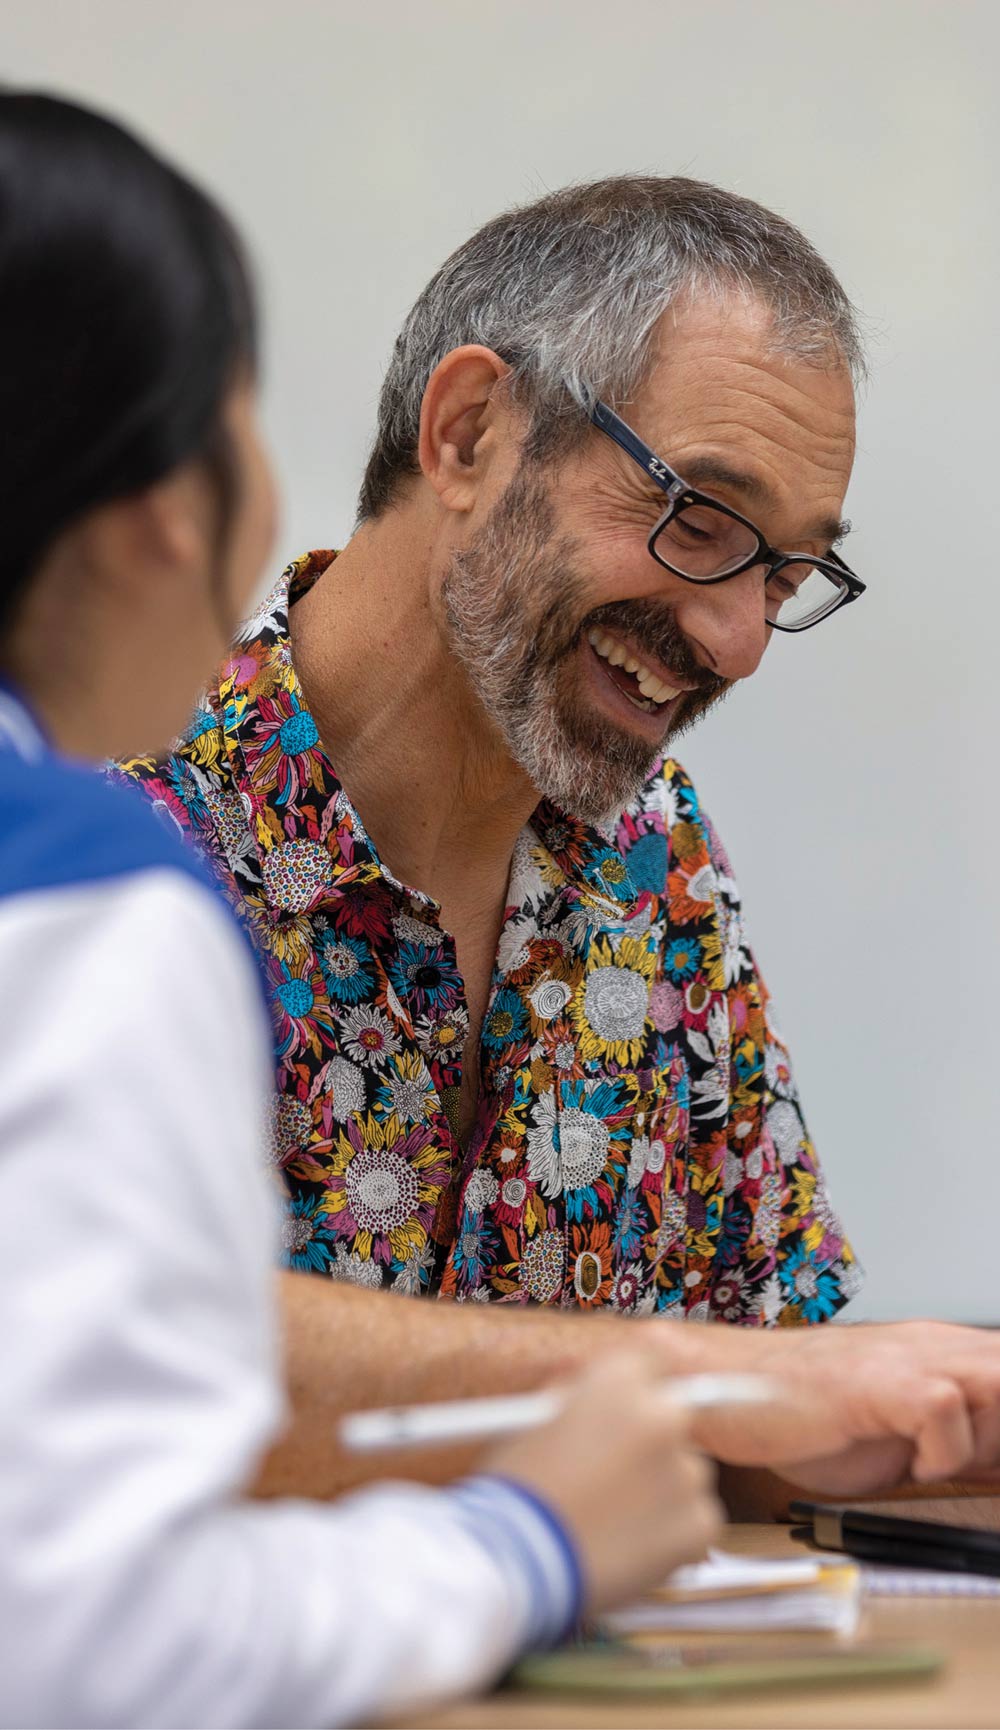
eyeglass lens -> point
(799, 594)
(702, 543)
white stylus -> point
(471, 1420)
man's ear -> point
(459, 423)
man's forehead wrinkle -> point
(791, 405)
(765, 456)
(741, 429)
(698, 379)
(747, 410)
(733, 444)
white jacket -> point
(139, 1374)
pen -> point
(472, 1420)
(896, 1542)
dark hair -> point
(126, 315)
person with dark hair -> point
(526, 1059)
(139, 1360)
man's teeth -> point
(649, 683)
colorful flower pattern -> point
(638, 1142)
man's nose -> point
(725, 623)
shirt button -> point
(426, 977)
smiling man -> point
(524, 1053)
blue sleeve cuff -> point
(521, 1530)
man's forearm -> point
(348, 1348)
(857, 1408)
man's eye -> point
(692, 533)
(782, 587)
(699, 528)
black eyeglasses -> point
(703, 541)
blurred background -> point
(853, 780)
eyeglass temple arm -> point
(605, 418)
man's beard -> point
(515, 603)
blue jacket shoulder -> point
(63, 824)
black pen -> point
(895, 1542)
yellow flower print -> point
(688, 842)
(610, 1005)
(290, 940)
(208, 750)
(803, 1190)
(384, 1186)
(711, 957)
(137, 768)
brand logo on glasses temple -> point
(657, 469)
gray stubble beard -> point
(516, 613)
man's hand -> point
(864, 1407)
(618, 1466)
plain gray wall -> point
(853, 778)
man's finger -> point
(941, 1429)
(986, 1430)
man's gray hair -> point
(569, 291)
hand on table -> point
(865, 1407)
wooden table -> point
(966, 1694)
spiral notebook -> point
(881, 1582)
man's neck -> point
(434, 787)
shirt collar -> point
(296, 795)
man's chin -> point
(590, 779)
(594, 770)
(694, 709)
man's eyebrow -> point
(708, 471)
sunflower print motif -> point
(638, 1143)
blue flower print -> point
(681, 958)
(181, 781)
(298, 734)
(737, 1224)
(629, 1228)
(647, 862)
(507, 1021)
(589, 1142)
(814, 1290)
(406, 1091)
(425, 978)
(305, 1239)
(295, 996)
(347, 967)
(474, 1250)
(202, 721)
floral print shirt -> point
(637, 1142)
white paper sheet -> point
(744, 1594)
